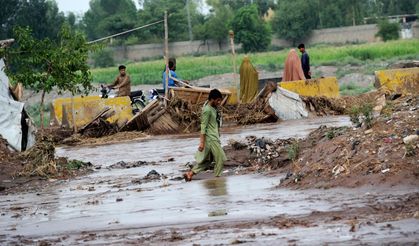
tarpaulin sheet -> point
(287, 105)
(11, 116)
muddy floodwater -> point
(117, 206)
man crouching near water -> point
(209, 149)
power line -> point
(124, 32)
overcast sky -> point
(76, 6)
(81, 6)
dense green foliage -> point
(262, 5)
(250, 30)
(41, 16)
(191, 68)
(153, 10)
(388, 31)
(217, 24)
(44, 64)
(106, 17)
(294, 20)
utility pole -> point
(189, 21)
(353, 15)
(320, 16)
(166, 57)
(233, 52)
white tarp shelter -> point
(287, 105)
(15, 126)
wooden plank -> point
(100, 114)
(196, 95)
(164, 125)
(199, 97)
(225, 100)
(153, 118)
(194, 89)
(149, 107)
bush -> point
(103, 58)
(250, 30)
(293, 150)
(388, 31)
(365, 112)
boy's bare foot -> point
(188, 176)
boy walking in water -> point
(209, 149)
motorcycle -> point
(106, 92)
(138, 99)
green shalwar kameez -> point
(213, 152)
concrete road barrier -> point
(403, 80)
(327, 87)
(86, 108)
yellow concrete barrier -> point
(403, 80)
(86, 108)
(327, 87)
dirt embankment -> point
(34, 167)
(386, 153)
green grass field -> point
(352, 89)
(191, 68)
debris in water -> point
(152, 175)
(136, 181)
(219, 212)
(123, 164)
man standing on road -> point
(172, 69)
(122, 83)
(305, 61)
(209, 149)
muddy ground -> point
(378, 153)
(136, 195)
(37, 167)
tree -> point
(397, 7)
(250, 30)
(107, 17)
(41, 16)
(294, 20)
(43, 64)
(217, 24)
(262, 5)
(153, 10)
(336, 13)
(7, 17)
(388, 31)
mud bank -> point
(375, 153)
(34, 168)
